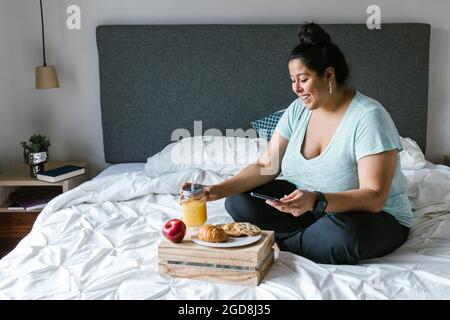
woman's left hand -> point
(296, 203)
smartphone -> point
(262, 196)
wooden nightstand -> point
(447, 160)
(14, 225)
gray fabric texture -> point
(157, 78)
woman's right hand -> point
(211, 192)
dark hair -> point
(318, 53)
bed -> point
(99, 240)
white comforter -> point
(99, 241)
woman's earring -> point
(330, 86)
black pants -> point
(337, 238)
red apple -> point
(174, 230)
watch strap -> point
(321, 202)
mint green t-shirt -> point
(365, 129)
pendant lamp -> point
(46, 77)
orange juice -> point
(193, 204)
(194, 212)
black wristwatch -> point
(321, 202)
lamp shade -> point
(46, 77)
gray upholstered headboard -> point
(157, 78)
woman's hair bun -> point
(313, 35)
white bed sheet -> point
(99, 241)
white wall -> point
(70, 115)
(6, 96)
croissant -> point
(211, 233)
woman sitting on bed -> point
(345, 196)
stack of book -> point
(30, 198)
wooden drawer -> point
(13, 227)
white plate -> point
(232, 242)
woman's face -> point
(308, 85)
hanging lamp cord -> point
(43, 39)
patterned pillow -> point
(265, 126)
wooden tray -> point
(246, 265)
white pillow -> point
(411, 157)
(223, 155)
(429, 190)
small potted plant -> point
(35, 153)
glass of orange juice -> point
(193, 203)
